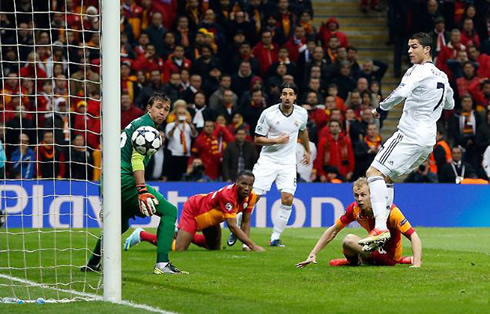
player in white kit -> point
(277, 131)
(426, 92)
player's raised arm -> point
(233, 226)
(324, 240)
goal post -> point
(111, 150)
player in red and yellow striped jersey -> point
(361, 211)
(205, 213)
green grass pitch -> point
(454, 278)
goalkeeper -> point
(139, 199)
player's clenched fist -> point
(146, 200)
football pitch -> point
(454, 278)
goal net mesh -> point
(50, 157)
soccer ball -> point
(146, 140)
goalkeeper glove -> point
(146, 200)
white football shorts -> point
(267, 172)
(398, 156)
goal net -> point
(50, 157)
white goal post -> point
(110, 135)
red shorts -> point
(381, 259)
(187, 221)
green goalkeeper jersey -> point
(127, 147)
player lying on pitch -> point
(205, 213)
(362, 212)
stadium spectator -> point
(251, 111)
(343, 81)
(239, 155)
(241, 81)
(457, 170)
(175, 63)
(422, 175)
(149, 61)
(22, 159)
(227, 108)
(286, 21)
(335, 150)
(450, 51)
(173, 89)
(169, 44)
(209, 23)
(430, 13)
(196, 172)
(440, 37)
(239, 22)
(179, 134)
(331, 51)
(216, 100)
(463, 126)
(50, 159)
(330, 28)
(129, 112)
(468, 33)
(355, 68)
(315, 115)
(480, 92)
(296, 44)
(266, 52)
(34, 69)
(80, 160)
(85, 81)
(305, 21)
(207, 147)
(200, 112)
(441, 154)
(468, 78)
(370, 73)
(59, 121)
(205, 62)
(194, 87)
(20, 123)
(155, 85)
(156, 32)
(483, 60)
(133, 13)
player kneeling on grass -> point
(362, 212)
(205, 213)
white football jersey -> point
(426, 92)
(272, 124)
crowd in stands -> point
(222, 63)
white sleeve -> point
(305, 121)
(262, 127)
(168, 128)
(449, 101)
(409, 82)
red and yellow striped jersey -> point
(213, 208)
(397, 224)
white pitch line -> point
(85, 296)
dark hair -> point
(289, 85)
(247, 173)
(424, 39)
(352, 48)
(334, 120)
(158, 96)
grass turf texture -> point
(454, 277)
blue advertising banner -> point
(63, 204)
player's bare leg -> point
(281, 219)
(379, 201)
(213, 237)
(183, 240)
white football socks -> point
(391, 197)
(379, 200)
(281, 221)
